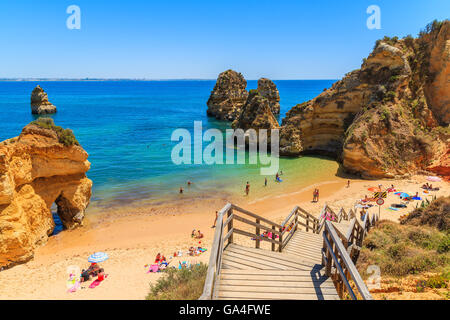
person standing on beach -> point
(265, 182)
(215, 220)
(317, 195)
(247, 188)
(314, 195)
(348, 184)
(181, 190)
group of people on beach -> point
(277, 179)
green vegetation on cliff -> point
(420, 243)
(179, 284)
(65, 136)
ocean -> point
(126, 128)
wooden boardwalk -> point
(252, 274)
(310, 264)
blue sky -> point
(199, 39)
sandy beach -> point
(133, 236)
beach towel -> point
(416, 198)
(153, 268)
(95, 284)
(75, 286)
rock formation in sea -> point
(256, 114)
(388, 119)
(228, 96)
(42, 166)
(269, 90)
(40, 103)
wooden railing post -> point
(273, 238)
(258, 231)
(296, 219)
(329, 261)
(230, 226)
(280, 246)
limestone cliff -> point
(42, 166)
(387, 119)
(40, 103)
(268, 89)
(228, 96)
(256, 114)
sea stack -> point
(40, 103)
(42, 166)
(268, 89)
(256, 114)
(228, 96)
(388, 119)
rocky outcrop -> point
(38, 168)
(40, 103)
(384, 119)
(268, 89)
(437, 88)
(228, 96)
(256, 114)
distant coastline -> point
(130, 79)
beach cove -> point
(136, 234)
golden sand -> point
(133, 236)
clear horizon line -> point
(140, 79)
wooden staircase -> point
(310, 264)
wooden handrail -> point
(216, 252)
(229, 213)
(251, 214)
(343, 264)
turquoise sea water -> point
(126, 127)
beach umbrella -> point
(434, 179)
(403, 195)
(98, 257)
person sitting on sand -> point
(158, 258)
(101, 275)
(199, 235)
(193, 234)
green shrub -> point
(176, 284)
(400, 250)
(65, 136)
(438, 281)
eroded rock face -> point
(268, 89)
(382, 120)
(36, 170)
(40, 103)
(437, 90)
(228, 96)
(256, 114)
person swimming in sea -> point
(181, 190)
